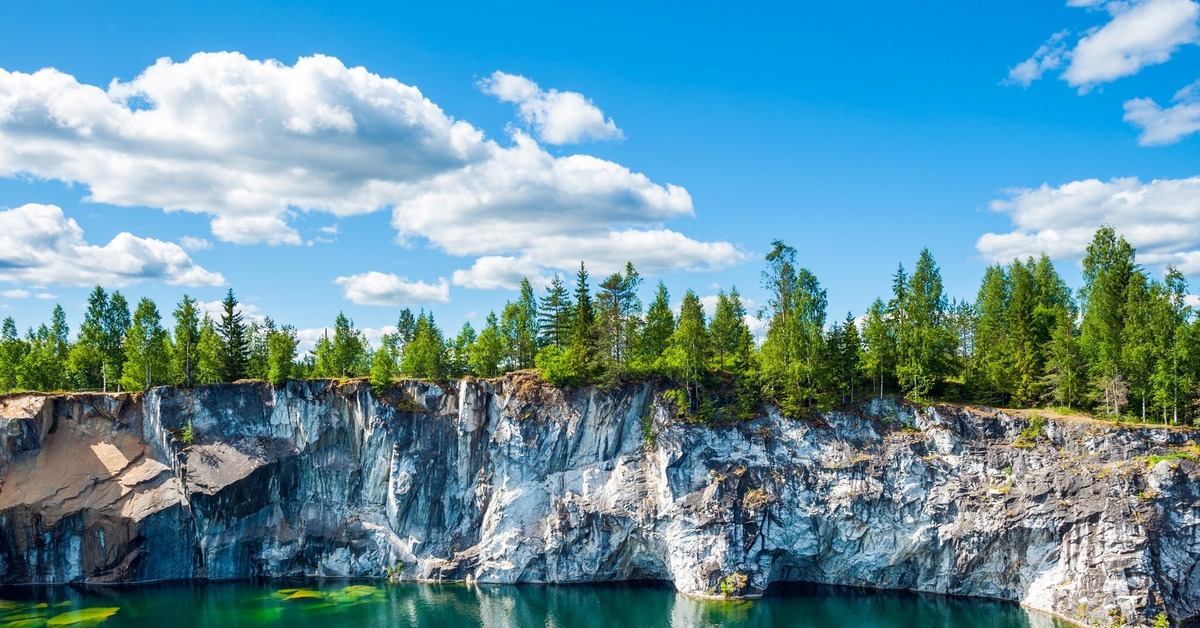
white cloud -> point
(1140, 34)
(1160, 218)
(243, 141)
(45, 296)
(374, 288)
(557, 117)
(251, 143)
(1166, 126)
(192, 243)
(1049, 56)
(16, 294)
(500, 272)
(38, 244)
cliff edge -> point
(513, 480)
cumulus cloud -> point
(1140, 34)
(557, 117)
(39, 244)
(1166, 126)
(500, 272)
(16, 294)
(375, 288)
(251, 143)
(1160, 218)
(244, 141)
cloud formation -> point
(1160, 218)
(252, 143)
(1138, 34)
(40, 245)
(1166, 126)
(375, 288)
(557, 117)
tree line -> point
(1124, 343)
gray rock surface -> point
(515, 481)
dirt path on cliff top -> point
(1074, 417)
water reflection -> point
(490, 606)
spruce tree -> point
(655, 336)
(554, 315)
(235, 345)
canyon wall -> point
(513, 480)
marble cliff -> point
(513, 480)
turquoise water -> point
(374, 604)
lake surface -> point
(376, 604)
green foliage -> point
(656, 334)
(235, 346)
(209, 353)
(556, 366)
(1032, 432)
(281, 354)
(186, 338)
(425, 356)
(147, 350)
(1161, 621)
(488, 350)
(793, 352)
(733, 584)
(383, 371)
(554, 315)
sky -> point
(364, 157)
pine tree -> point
(425, 356)
(1065, 367)
(12, 351)
(554, 315)
(235, 345)
(187, 336)
(656, 335)
(924, 344)
(1108, 267)
(584, 342)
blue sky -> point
(363, 157)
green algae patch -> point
(33, 622)
(83, 616)
(305, 594)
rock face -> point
(516, 481)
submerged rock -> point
(512, 480)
